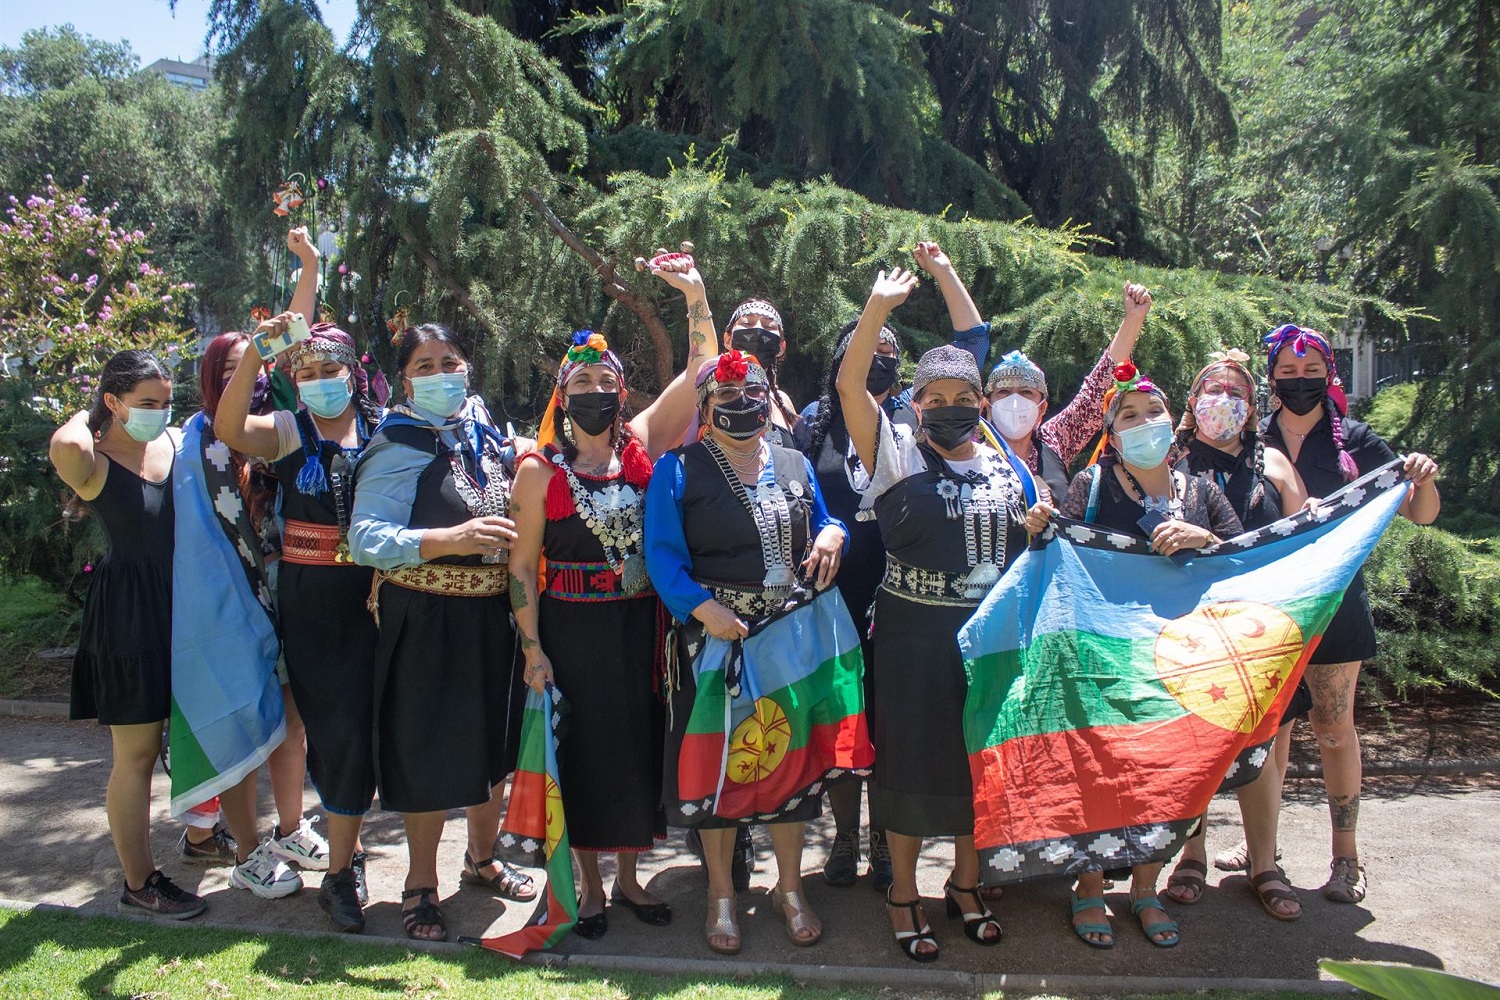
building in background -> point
(195, 75)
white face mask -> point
(1014, 416)
(147, 425)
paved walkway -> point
(1428, 844)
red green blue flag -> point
(775, 718)
(1111, 690)
(536, 833)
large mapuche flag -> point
(1110, 690)
(227, 712)
(535, 831)
(776, 716)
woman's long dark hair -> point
(1187, 430)
(829, 420)
(122, 373)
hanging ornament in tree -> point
(288, 197)
(400, 319)
(260, 313)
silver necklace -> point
(616, 519)
(490, 500)
(773, 523)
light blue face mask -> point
(442, 394)
(147, 425)
(1145, 446)
(325, 397)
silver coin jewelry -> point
(773, 523)
(490, 500)
(616, 516)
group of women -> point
(433, 568)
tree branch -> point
(614, 287)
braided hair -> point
(1347, 465)
(1250, 439)
(829, 419)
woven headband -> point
(754, 307)
(946, 361)
(589, 348)
(731, 366)
(317, 348)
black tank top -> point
(721, 535)
(437, 503)
(136, 515)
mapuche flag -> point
(1110, 689)
(776, 716)
(536, 832)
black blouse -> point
(1203, 504)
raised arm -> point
(73, 456)
(305, 295)
(661, 425)
(962, 312)
(861, 412)
(246, 432)
(1137, 301)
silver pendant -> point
(779, 577)
(948, 490)
(633, 574)
(980, 579)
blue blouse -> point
(668, 560)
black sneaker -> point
(219, 849)
(339, 898)
(161, 897)
(744, 859)
(842, 866)
(880, 861)
(361, 885)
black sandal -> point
(508, 882)
(425, 914)
(974, 923)
(908, 941)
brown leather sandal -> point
(1189, 876)
(1268, 896)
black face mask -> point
(759, 342)
(593, 412)
(1302, 395)
(882, 374)
(742, 420)
(949, 426)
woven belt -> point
(587, 581)
(749, 601)
(926, 586)
(441, 578)
(308, 544)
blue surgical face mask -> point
(441, 394)
(147, 425)
(325, 397)
(1145, 445)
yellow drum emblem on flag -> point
(759, 744)
(554, 815)
(1227, 662)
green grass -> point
(33, 616)
(25, 601)
(59, 956)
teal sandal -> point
(1161, 926)
(1084, 930)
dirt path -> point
(1427, 843)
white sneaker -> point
(264, 874)
(303, 847)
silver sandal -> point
(720, 921)
(799, 918)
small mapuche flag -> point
(535, 830)
(1110, 690)
(775, 717)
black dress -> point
(447, 697)
(603, 649)
(122, 672)
(1203, 504)
(922, 786)
(726, 552)
(1350, 637)
(328, 635)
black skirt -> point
(921, 786)
(328, 638)
(122, 672)
(444, 678)
(603, 657)
(1350, 637)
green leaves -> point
(1405, 982)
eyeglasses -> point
(1213, 387)
(733, 393)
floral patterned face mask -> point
(1220, 417)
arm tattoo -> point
(1345, 812)
(698, 312)
(517, 593)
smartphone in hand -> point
(1148, 523)
(268, 345)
